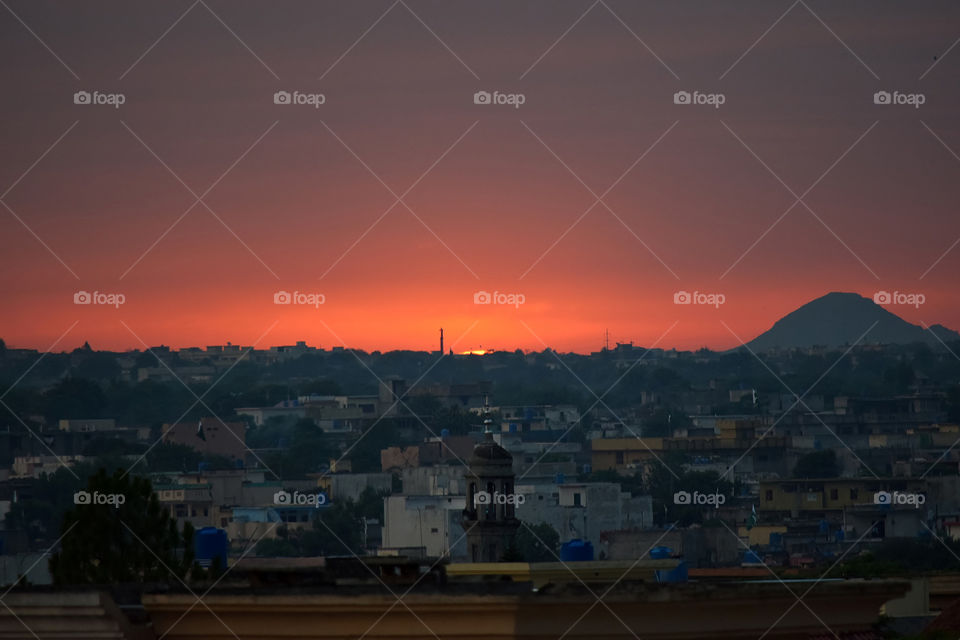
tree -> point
(818, 464)
(534, 543)
(119, 533)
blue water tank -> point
(776, 540)
(513, 427)
(210, 543)
(238, 463)
(559, 478)
(677, 574)
(444, 433)
(751, 557)
(576, 551)
(203, 466)
(660, 553)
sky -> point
(587, 193)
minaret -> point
(489, 516)
(441, 340)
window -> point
(434, 530)
(619, 457)
(577, 500)
(854, 494)
(769, 494)
(834, 494)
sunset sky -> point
(493, 197)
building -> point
(424, 526)
(210, 436)
(489, 515)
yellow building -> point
(831, 494)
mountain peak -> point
(842, 318)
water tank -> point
(576, 551)
(661, 553)
(444, 433)
(203, 466)
(210, 543)
(677, 574)
(776, 539)
(559, 478)
(513, 427)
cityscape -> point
(507, 320)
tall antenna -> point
(441, 340)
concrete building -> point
(218, 437)
(424, 526)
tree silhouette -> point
(121, 534)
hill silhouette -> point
(839, 319)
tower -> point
(441, 340)
(489, 517)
